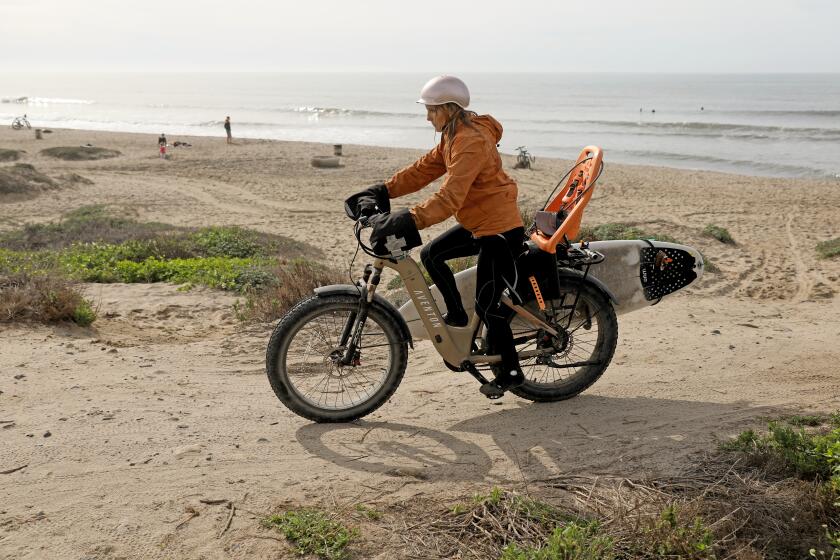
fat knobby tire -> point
(300, 315)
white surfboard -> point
(638, 273)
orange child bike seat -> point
(572, 199)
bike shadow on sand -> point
(590, 434)
(395, 449)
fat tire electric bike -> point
(340, 353)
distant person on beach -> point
(227, 130)
(162, 145)
(480, 195)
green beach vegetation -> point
(95, 244)
(828, 249)
(719, 233)
(313, 531)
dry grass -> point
(719, 509)
(80, 153)
(476, 528)
(295, 280)
(42, 299)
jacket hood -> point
(493, 127)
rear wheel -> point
(303, 360)
(570, 363)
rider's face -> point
(437, 115)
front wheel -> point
(304, 367)
(16, 125)
(570, 363)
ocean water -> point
(784, 125)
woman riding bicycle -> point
(480, 195)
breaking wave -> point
(25, 100)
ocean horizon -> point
(779, 125)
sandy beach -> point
(164, 402)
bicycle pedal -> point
(492, 391)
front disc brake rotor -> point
(334, 359)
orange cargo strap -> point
(537, 293)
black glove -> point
(372, 200)
(394, 233)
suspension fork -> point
(351, 334)
(351, 320)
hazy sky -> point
(430, 36)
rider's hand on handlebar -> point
(367, 207)
(400, 226)
(372, 200)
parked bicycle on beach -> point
(20, 122)
(524, 160)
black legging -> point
(496, 271)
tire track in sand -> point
(216, 193)
(198, 190)
(225, 200)
(808, 283)
(744, 278)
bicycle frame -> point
(454, 344)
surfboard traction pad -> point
(665, 270)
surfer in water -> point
(480, 195)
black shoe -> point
(492, 391)
(503, 381)
(456, 318)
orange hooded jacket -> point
(476, 189)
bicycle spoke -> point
(578, 349)
(311, 361)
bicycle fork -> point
(351, 334)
